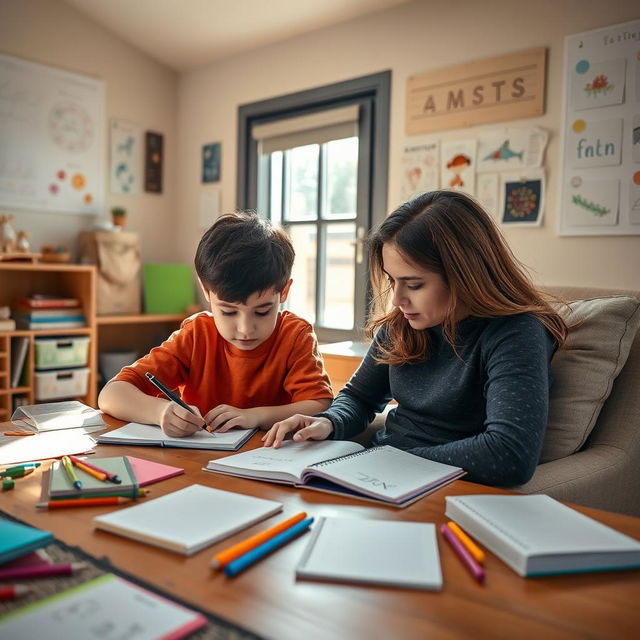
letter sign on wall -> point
(491, 90)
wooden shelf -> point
(142, 318)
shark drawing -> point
(503, 152)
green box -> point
(167, 287)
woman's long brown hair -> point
(449, 233)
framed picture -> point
(211, 162)
(153, 160)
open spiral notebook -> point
(382, 474)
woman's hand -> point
(225, 417)
(305, 428)
(177, 422)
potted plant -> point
(118, 215)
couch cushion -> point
(585, 368)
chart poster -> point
(51, 139)
(600, 186)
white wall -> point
(137, 89)
(412, 38)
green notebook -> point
(61, 486)
(17, 539)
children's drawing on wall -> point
(511, 148)
(126, 157)
(635, 139)
(522, 198)
(597, 84)
(595, 143)
(420, 169)
(211, 162)
(458, 165)
(487, 192)
(592, 202)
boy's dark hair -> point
(241, 254)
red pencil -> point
(82, 502)
(42, 571)
(13, 591)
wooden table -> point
(268, 600)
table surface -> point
(269, 601)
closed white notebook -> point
(537, 535)
(380, 552)
(188, 520)
(152, 435)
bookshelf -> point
(23, 279)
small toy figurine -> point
(22, 242)
(8, 235)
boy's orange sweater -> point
(209, 371)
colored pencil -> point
(115, 493)
(83, 502)
(17, 472)
(92, 472)
(249, 558)
(13, 591)
(223, 558)
(42, 571)
(471, 546)
(19, 433)
(68, 467)
(111, 477)
(460, 550)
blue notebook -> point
(19, 539)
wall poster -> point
(600, 190)
(51, 138)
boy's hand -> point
(305, 427)
(225, 417)
(177, 422)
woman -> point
(465, 351)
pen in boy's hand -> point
(173, 397)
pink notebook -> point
(148, 472)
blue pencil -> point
(246, 560)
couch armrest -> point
(601, 476)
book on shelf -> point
(106, 606)
(7, 324)
(49, 324)
(19, 348)
(380, 552)
(18, 539)
(41, 301)
(52, 416)
(74, 313)
(188, 520)
(382, 474)
(61, 486)
(538, 536)
(152, 436)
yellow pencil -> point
(469, 544)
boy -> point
(244, 363)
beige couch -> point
(604, 470)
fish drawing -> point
(503, 152)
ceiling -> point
(183, 34)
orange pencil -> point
(81, 502)
(19, 433)
(469, 544)
(92, 472)
(220, 560)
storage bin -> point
(54, 353)
(68, 383)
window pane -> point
(303, 183)
(342, 178)
(302, 298)
(339, 276)
(275, 196)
